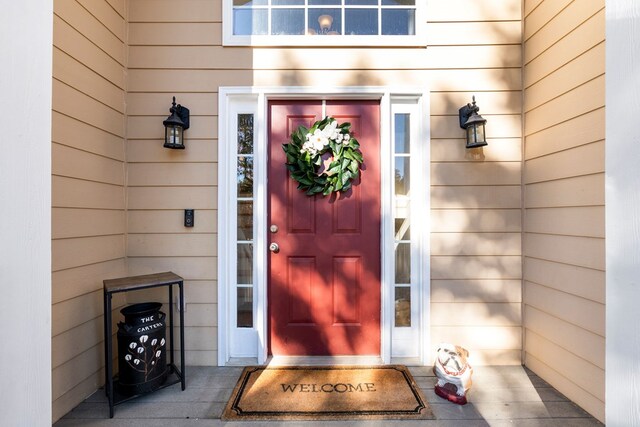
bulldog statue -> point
(453, 373)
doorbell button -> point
(189, 217)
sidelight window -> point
(408, 216)
(245, 206)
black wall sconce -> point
(473, 123)
(175, 125)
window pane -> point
(249, 3)
(245, 263)
(248, 22)
(287, 21)
(398, 2)
(325, 21)
(402, 135)
(245, 307)
(245, 133)
(245, 176)
(361, 22)
(398, 22)
(403, 229)
(402, 176)
(403, 307)
(245, 221)
(324, 2)
(403, 263)
(287, 2)
(361, 2)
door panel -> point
(324, 283)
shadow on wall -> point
(476, 254)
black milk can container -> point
(142, 355)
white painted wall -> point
(25, 209)
(623, 212)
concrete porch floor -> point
(500, 396)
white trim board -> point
(25, 186)
(234, 99)
(622, 151)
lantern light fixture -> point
(473, 123)
(175, 125)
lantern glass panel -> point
(471, 134)
(480, 133)
(173, 135)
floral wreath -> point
(325, 158)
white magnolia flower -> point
(144, 338)
(133, 345)
(345, 138)
(140, 350)
(318, 139)
(158, 353)
(307, 147)
(153, 362)
(154, 341)
(136, 362)
(330, 131)
(162, 341)
(320, 143)
(339, 137)
(127, 357)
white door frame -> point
(238, 99)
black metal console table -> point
(134, 283)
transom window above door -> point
(324, 22)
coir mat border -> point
(234, 412)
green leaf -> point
(353, 166)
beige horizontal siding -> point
(88, 216)
(583, 68)
(587, 375)
(68, 131)
(583, 38)
(485, 33)
(562, 221)
(583, 190)
(582, 129)
(571, 279)
(165, 11)
(170, 221)
(219, 57)
(74, 44)
(74, 282)
(563, 165)
(476, 290)
(476, 267)
(563, 175)
(476, 220)
(475, 244)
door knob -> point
(273, 228)
(273, 247)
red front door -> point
(324, 283)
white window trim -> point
(417, 40)
(407, 341)
(229, 99)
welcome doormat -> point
(326, 393)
